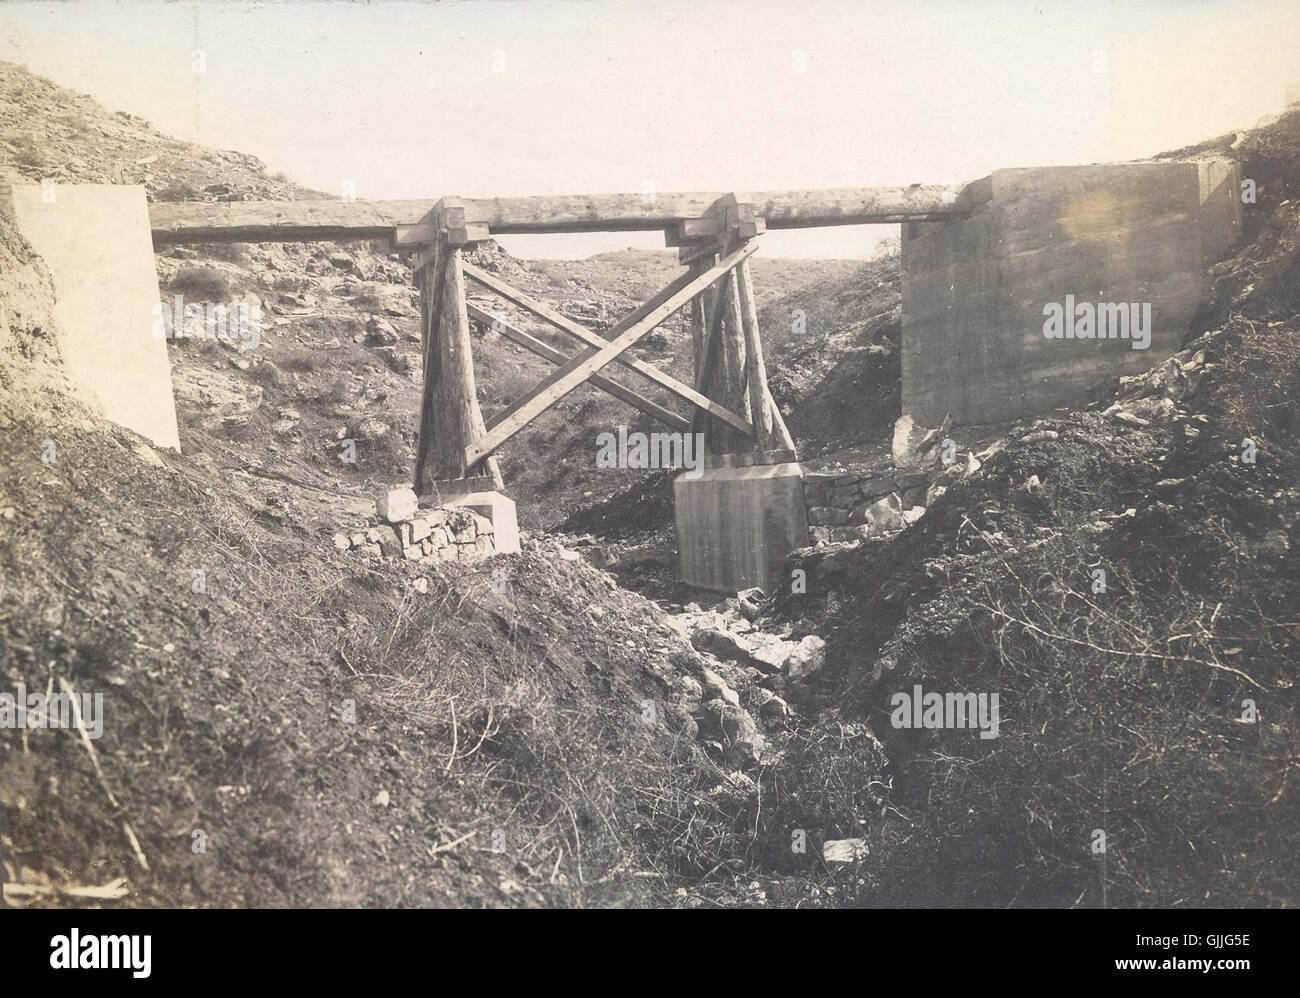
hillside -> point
(1134, 706)
(477, 714)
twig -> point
(66, 687)
(455, 736)
(1126, 654)
(445, 846)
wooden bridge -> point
(715, 234)
(973, 285)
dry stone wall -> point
(441, 534)
(844, 506)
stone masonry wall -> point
(844, 506)
(441, 534)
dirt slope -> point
(1162, 710)
(285, 724)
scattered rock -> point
(769, 653)
(885, 515)
(841, 852)
(914, 446)
(716, 688)
(734, 729)
(723, 644)
(380, 332)
(750, 602)
(771, 708)
(808, 658)
(397, 360)
(1126, 417)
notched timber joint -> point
(445, 222)
(727, 222)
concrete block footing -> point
(736, 526)
(497, 509)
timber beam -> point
(305, 221)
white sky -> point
(600, 97)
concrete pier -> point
(737, 525)
(95, 240)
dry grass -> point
(201, 284)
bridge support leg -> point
(741, 516)
(450, 419)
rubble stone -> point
(395, 505)
(842, 852)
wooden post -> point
(450, 419)
(733, 367)
(733, 391)
(725, 226)
(710, 354)
(769, 426)
(722, 370)
(701, 309)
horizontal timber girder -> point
(304, 221)
(568, 377)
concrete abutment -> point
(975, 287)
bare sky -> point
(513, 97)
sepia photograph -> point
(650, 454)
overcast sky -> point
(515, 97)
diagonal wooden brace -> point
(563, 322)
(577, 370)
(620, 392)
